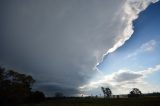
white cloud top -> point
(129, 12)
(60, 42)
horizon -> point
(77, 47)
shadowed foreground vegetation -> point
(145, 101)
(16, 90)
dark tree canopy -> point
(14, 87)
(135, 92)
(106, 91)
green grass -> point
(101, 102)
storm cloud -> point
(60, 42)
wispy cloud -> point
(146, 47)
(63, 40)
(149, 46)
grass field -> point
(151, 101)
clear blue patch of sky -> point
(146, 28)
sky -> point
(77, 46)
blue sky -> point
(142, 50)
(60, 43)
(136, 62)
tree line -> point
(135, 92)
(17, 88)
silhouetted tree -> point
(106, 91)
(135, 92)
(14, 87)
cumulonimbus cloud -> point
(130, 10)
(60, 42)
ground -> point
(145, 101)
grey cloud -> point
(59, 41)
(127, 76)
(123, 80)
(51, 89)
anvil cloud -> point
(60, 42)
